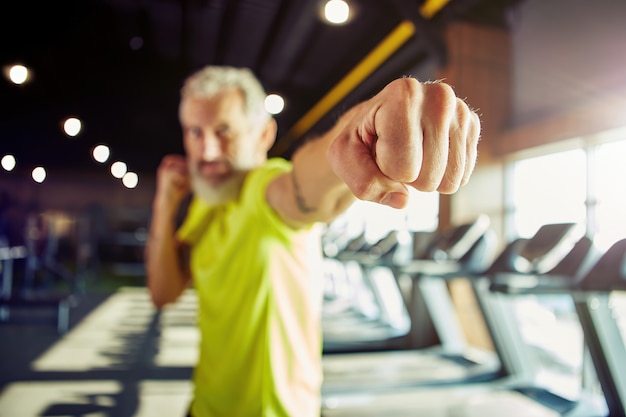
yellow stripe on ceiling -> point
(373, 60)
(430, 7)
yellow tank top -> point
(259, 288)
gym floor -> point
(119, 358)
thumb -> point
(354, 163)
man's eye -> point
(223, 132)
(195, 132)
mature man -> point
(248, 242)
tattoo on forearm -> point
(302, 206)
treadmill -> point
(597, 292)
(553, 247)
(465, 249)
(601, 315)
(362, 309)
(512, 392)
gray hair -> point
(211, 80)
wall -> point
(77, 211)
(479, 60)
(74, 191)
(555, 74)
(564, 53)
(479, 68)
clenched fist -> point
(410, 134)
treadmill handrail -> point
(609, 272)
(549, 245)
(456, 242)
(562, 278)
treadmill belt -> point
(387, 370)
(479, 400)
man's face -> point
(220, 143)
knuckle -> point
(441, 98)
(441, 90)
(475, 128)
(406, 89)
(448, 187)
(427, 184)
(451, 182)
(409, 84)
(464, 114)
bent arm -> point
(166, 258)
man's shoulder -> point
(276, 163)
(270, 169)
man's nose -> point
(212, 149)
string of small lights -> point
(334, 12)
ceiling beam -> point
(425, 28)
(390, 44)
(431, 7)
(284, 45)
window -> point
(421, 214)
(584, 185)
(610, 196)
(548, 189)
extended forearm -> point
(317, 189)
(318, 192)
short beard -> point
(215, 195)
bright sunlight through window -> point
(549, 189)
(609, 190)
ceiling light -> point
(8, 162)
(18, 74)
(130, 180)
(118, 169)
(136, 43)
(39, 174)
(337, 12)
(274, 103)
(101, 153)
(72, 126)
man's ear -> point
(268, 136)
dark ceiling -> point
(84, 65)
